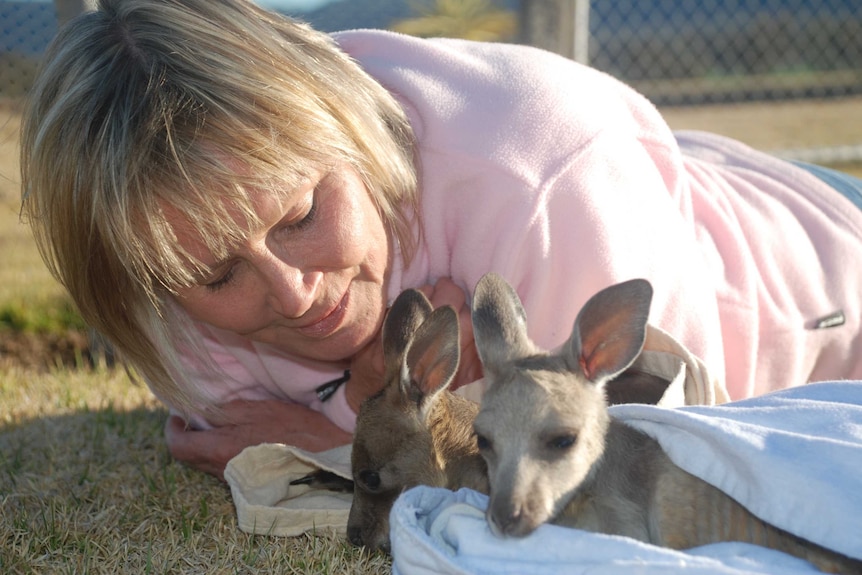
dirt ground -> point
(44, 351)
(769, 126)
(780, 126)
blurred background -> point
(783, 75)
(86, 483)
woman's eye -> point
(306, 219)
(221, 282)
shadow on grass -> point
(93, 484)
(95, 491)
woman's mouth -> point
(328, 324)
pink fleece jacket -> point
(564, 180)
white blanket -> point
(794, 458)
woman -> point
(233, 199)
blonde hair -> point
(145, 103)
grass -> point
(87, 486)
(86, 482)
(53, 314)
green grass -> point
(55, 315)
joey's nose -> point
(385, 546)
(379, 543)
(508, 522)
(354, 535)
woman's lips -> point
(329, 323)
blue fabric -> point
(792, 457)
(848, 186)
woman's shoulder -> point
(491, 87)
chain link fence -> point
(696, 51)
(677, 52)
(25, 30)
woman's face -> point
(310, 281)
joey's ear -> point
(408, 312)
(610, 330)
(432, 358)
(499, 323)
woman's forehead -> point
(216, 221)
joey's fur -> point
(555, 455)
(414, 431)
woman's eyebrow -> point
(204, 272)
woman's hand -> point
(446, 292)
(251, 423)
(367, 371)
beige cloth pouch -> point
(266, 503)
(690, 383)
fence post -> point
(68, 9)
(561, 26)
(581, 31)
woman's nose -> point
(292, 292)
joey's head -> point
(543, 419)
(540, 433)
(393, 447)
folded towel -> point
(438, 531)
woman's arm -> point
(271, 420)
(251, 423)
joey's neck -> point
(622, 479)
(451, 424)
(451, 427)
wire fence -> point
(696, 51)
(677, 52)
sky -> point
(299, 5)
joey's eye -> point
(482, 443)
(562, 442)
(369, 479)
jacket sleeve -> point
(239, 369)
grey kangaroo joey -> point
(414, 432)
(554, 454)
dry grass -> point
(778, 126)
(87, 486)
(86, 483)
(21, 274)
